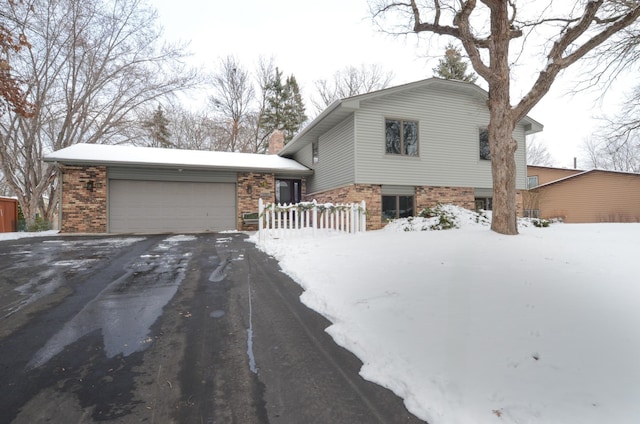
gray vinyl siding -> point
(335, 167)
(449, 122)
(168, 174)
(303, 156)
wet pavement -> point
(169, 328)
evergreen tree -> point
(158, 127)
(284, 109)
(451, 66)
(294, 109)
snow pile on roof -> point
(151, 156)
(471, 326)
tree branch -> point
(555, 60)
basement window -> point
(394, 207)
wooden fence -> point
(282, 220)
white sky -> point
(314, 39)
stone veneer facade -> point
(251, 187)
(84, 210)
(425, 196)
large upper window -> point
(401, 137)
(532, 181)
(485, 153)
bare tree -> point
(537, 153)
(487, 29)
(348, 82)
(232, 100)
(615, 154)
(90, 67)
(266, 70)
(192, 130)
(616, 144)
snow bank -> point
(470, 326)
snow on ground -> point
(470, 326)
(15, 236)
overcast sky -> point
(313, 39)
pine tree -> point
(294, 109)
(158, 129)
(284, 110)
(452, 67)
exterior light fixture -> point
(90, 185)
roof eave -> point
(264, 170)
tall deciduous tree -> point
(487, 30)
(91, 66)
(232, 101)
(538, 154)
(265, 74)
(451, 66)
(285, 109)
(615, 154)
(350, 81)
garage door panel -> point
(168, 206)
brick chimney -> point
(276, 142)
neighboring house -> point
(123, 189)
(577, 196)
(400, 149)
(405, 148)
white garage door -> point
(169, 206)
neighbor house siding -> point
(547, 174)
(449, 124)
(335, 158)
(597, 196)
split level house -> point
(400, 149)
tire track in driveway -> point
(307, 377)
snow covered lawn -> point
(469, 326)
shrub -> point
(38, 224)
(541, 223)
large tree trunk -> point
(501, 124)
(503, 171)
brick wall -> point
(356, 193)
(84, 210)
(430, 196)
(425, 196)
(251, 187)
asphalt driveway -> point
(169, 328)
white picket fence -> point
(282, 220)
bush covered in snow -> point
(447, 216)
